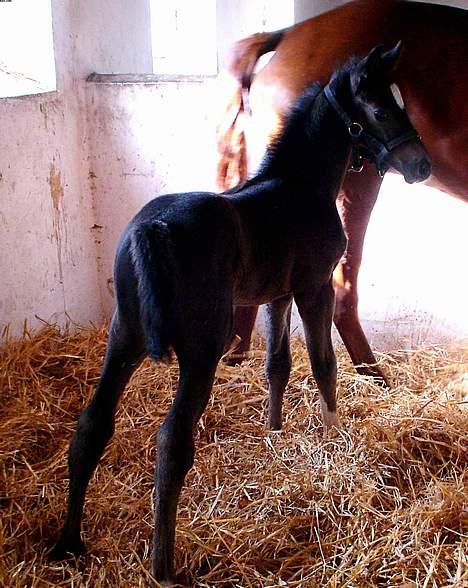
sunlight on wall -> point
(413, 254)
(413, 279)
(171, 131)
(189, 36)
(27, 63)
(264, 15)
(184, 37)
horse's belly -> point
(256, 298)
(260, 294)
(263, 282)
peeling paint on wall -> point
(58, 221)
(56, 188)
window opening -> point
(27, 64)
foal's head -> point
(379, 122)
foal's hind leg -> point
(278, 356)
(317, 315)
(96, 427)
(176, 448)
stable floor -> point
(379, 504)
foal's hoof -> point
(67, 549)
(330, 419)
(275, 424)
(330, 433)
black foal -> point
(185, 260)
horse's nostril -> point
(424, 168)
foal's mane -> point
(302, 121)
(307, 111)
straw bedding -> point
(382, 503)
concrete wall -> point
(146, 140)
(47, 247)
(304, 9)
(109, 36)
(47, 259)
(76, 164)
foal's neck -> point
(313, 151)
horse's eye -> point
(380, 115)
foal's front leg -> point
(317, 315)
(278, 356)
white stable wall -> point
(146, 140)
(48, 259)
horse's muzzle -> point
(418, 171)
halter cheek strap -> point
(361, 138)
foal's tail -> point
(151, 253)
(232, 148)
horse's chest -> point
(306, 250)
(323, 237)
(319, 246)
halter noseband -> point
(361, 138)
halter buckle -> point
(357, 169)
(355, 130)
(357, 162)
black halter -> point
(360, 138)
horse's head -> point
(377, 120)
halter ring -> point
(355, 129)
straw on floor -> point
(383, 503)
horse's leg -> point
(125, 351)
(198, 359)
(317, 316)
(356, 203)
(278, 356)
(243, 324)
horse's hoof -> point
(166, 584)
(234, 359)
(374, 372)
(383, 382)
(67, 549)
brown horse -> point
(433, 80)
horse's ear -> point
(390, 58)
(365, 68)
(376, 63)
